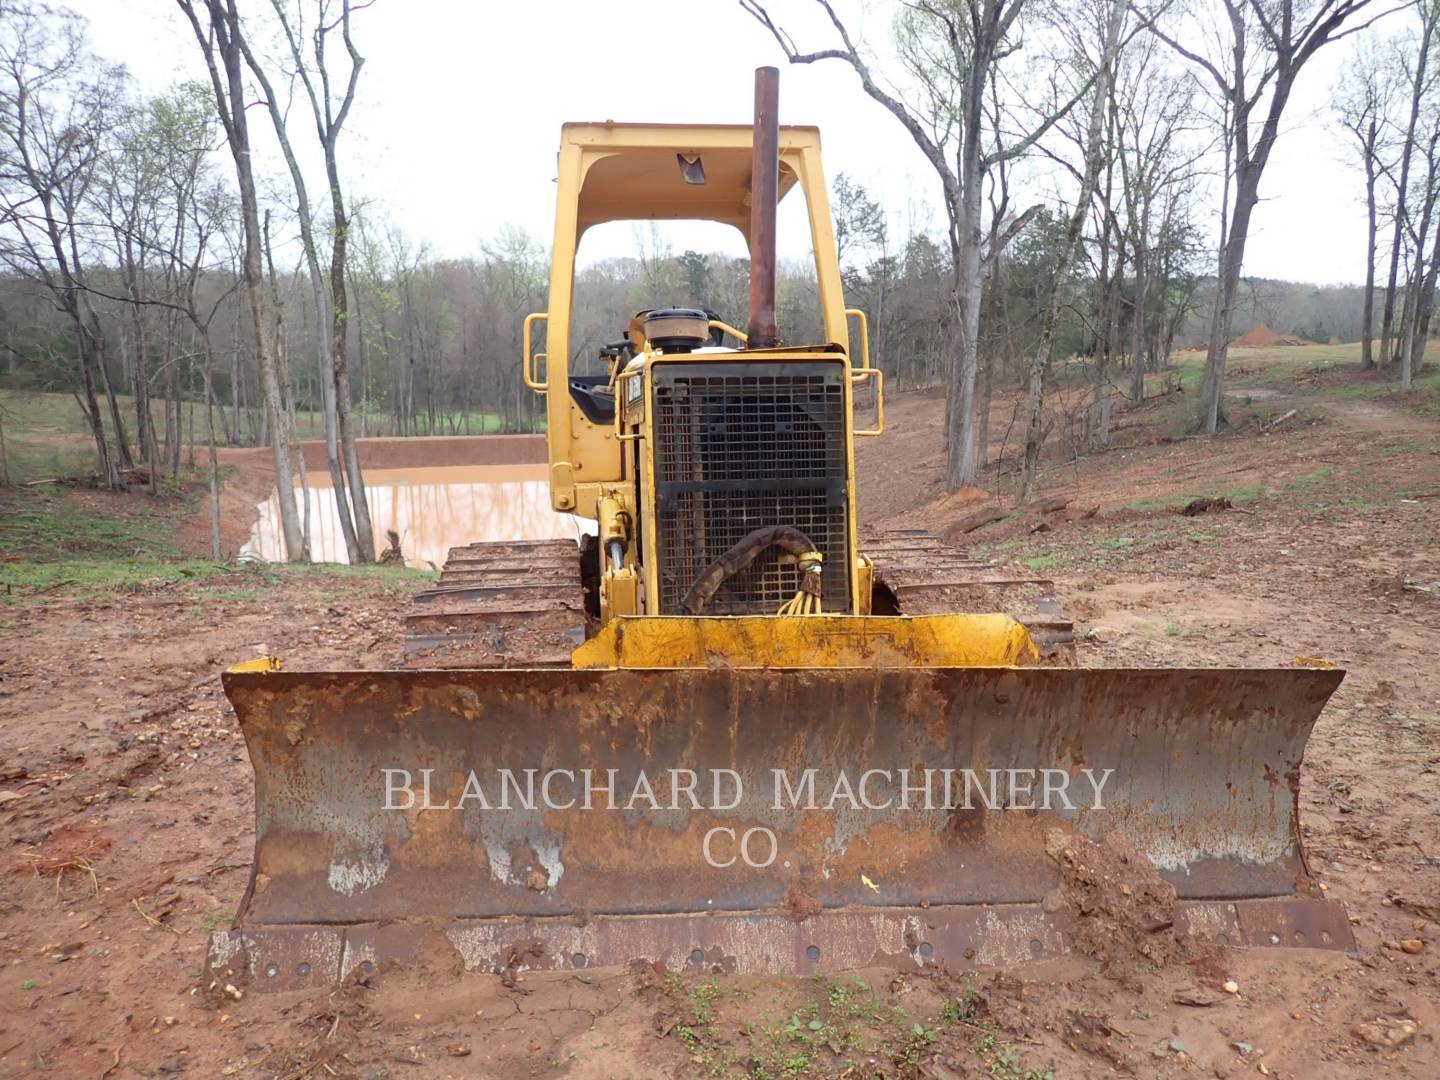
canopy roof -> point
(653, 172)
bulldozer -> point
(734, 728)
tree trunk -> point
(230, 99)
(104, 461)
(122, 445)
(960, 396)
(339, 343)
(1142, 288)
(1040, 358)
(1418, 88)
(1367, 317)
(1232, 257)
(214, 472)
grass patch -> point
(1237, 496)
(243, 595)
(247, 581)
(88, 576)
(1310, 481)
(1119, 543)
(1042, 562)
(1401, 447)
(835, 1026)
(211, 921)
(62, 523)
(46, 435)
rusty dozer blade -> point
(755, 820)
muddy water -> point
(433, 510)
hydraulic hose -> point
(787, 538)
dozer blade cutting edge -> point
(755, 820)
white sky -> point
(457, 119)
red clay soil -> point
(1262, 337)
(127, 812)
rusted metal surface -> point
(287, 957)
(1205, 766)
(764, 197)
(917, 573)
(518, 603)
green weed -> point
(1310, 481)
(213, 920)
(1237, 496)
(245, 595)
(1409, 446)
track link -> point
(917, 573)
(512, 603)
(521, 603)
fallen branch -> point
(977, 520)
(1048, 505)
(152, 920)
(1273, 424)
(52, 586)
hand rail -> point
(529, 365)
(864, 367)
(865, 373)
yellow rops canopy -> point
(653, 172)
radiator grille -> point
(739, 447)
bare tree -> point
(216, 24)
(1260, 49)
(1363, 101)
(56, 104)
(1110, 16)
(329, 118)
(954, 50)
(1411, 55)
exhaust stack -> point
(764, 194)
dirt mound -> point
(1262, 337)
(1125, 911)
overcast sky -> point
(460, 104)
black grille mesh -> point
(739, 447)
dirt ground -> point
(125, 801)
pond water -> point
(433, 510)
